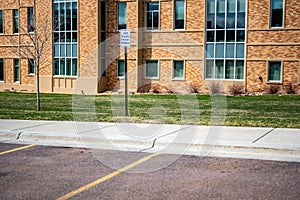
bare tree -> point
(32, 47)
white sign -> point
(125, 38)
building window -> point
(30, 66)
(152, 16)
(16, 70)
(103, 39)
(121, 15)
(30, 13)
(274, 71)
(1, 70)
(179, 14)
(178, 69)
(277, 13)
(16, 21)
(65, 37)
(151, 69)
(1, 22)
(121, 68)
(225, 39)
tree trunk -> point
(38, 103)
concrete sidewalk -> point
(241, 142)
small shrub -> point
(215, 87)
(237, 89)
(274, 89)
(290, 88)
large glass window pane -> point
(209, 69)
(74, 36)
(121, 68)
(74, 67)
(62, 50)
(74, 16)
(210, 37)
(30, 19)
(16, 70)
(230, 36)
(210, 50)
(277, 13)
(229, 71)
(30, 66)
(220, 14)
(230, 23)
(121, 15)
(62, 67)
(179, 14)
(240, 34)
(69, 50)
(152, 69)
(1, 70)
(239, 70)
(55, 17)
(274, 72)
(220, 50)
(62, 17)
(152, 20)
(220, 35)
(210, 14)
(219, 71)
(178, 69)
(68, 37)
(1, 22)
(56, 50)
(241, 13)
(16, 21)
(155, 20)
(56, 66)
(68, 16)
(74, 50)
(230, 50)
(68, 67)
(240, 50)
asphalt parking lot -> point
(43, 172)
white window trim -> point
(236, 42)
(281, 71)
(270, 16)
(178, 78)
(118, 14)
(146, 28)
(145, 71)
(120, 77)
(184, 27)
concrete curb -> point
(240, 142)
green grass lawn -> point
(255, 111)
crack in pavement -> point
(263, 135)
(154, 141)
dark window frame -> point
(1, 69)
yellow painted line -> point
(105, 178)
(17, 149)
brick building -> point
(176, 45)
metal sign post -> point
(125, 42)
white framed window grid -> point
(151, 69)
(225, 46)
(65, 36)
